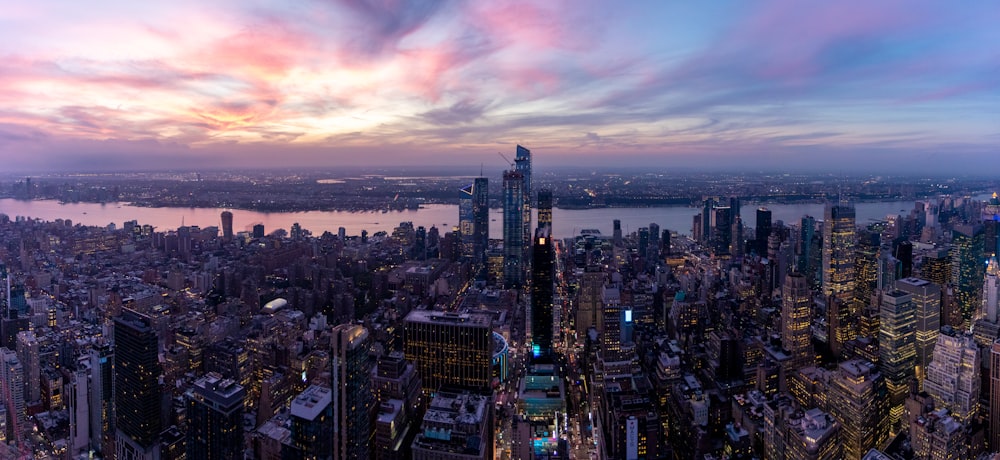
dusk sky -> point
(839, 85)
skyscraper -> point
(137, 387)
(215, 419)
(312, 424)
(12, 384)
(866, 265)
(544, 207)
(796, 313)
(995, 396)
(810, 253)
(28, 353)
(857, 400)
(353, 401)
(838, 251)
(953, 376)
(522, 164)
(927, 303)
(722, 232)
(454, 349)
(474, 220)
(541, 295)
(762, 231)
(616, 235)
(513, 228)
(897, 348)
(968, 265)
(102, 418)
(227, 226)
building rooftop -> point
(311, 402)
(441, 317)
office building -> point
(838, 251)
(353, 400)
(227, 226)
(458, 425)
(544, 208)
(513, 228)
(453, 349)
(927, 302)
(542, 266)
(810, 251)
(137, 387)
(812, 435)
(474, 220)
(968, 266)
(102, 417)
(994, 441)
(312, 424)
(953, 376)
(762, 230)
(28, 353)
(897, 348)
(522, 164)
(796, 315)
(12, 384)
(866, 269)
(214, 419)
(857, 400)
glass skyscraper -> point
(838, 251)
(513, 228)
(541, 295)
(474, 220)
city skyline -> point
(771, 85)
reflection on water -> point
(566, 222)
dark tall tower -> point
(353, 401)
(544, 208)
(665, 242)
(762, 231)
(522, 164)
(904, 253)
(723, 231)
(474, 220)
(617, 235)
(541, 295)
(137, 388)
(968, 267)
(227, 226)
(513, 228)
(215, 419)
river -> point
(566, 222)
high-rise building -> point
(665, 242)
(227, 226)
(897, 348)
(968, 266)
(588, 303)
(76, 392)
(866, 265)
(994, 443)
(474, 220)
(857, 400)
(544, 207)
(796, 315)
(258, 230)
(616, 236)
(454, 349)
(513, 228)
(927, 302)
(12, 384)
(137, 387)
(653, 252)
(458, 425)
(722, 232)
(522, 164)
(812, 435)
(28, 353)
(810, 251)
(838, 251)
(353, 401)
(541, 295)
(312, 424)
(214, 419)
(953, 376)
(762, 231)
(102, 418)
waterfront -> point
(567, 222)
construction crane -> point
(511, 163)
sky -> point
(771, 84)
